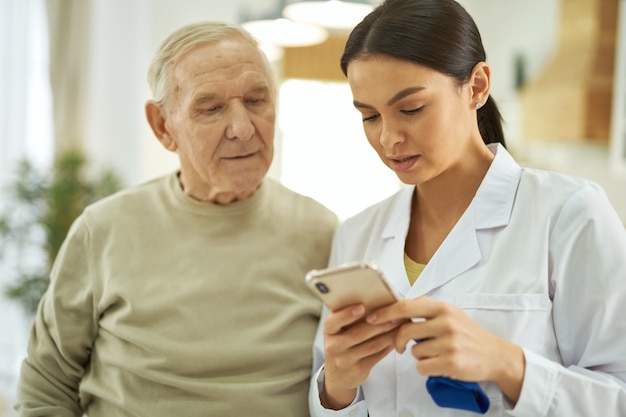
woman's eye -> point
(413, 111)
(370, 118)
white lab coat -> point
(539, 259)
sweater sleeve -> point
(62, 334)
(588, 277)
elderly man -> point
(185, 296)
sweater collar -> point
(199, 207)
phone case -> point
(353, 283)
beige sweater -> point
(160, 305)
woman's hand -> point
(453, 345)
(351, 349)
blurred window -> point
(324, 152)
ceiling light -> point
(286, 33)
(334, 15)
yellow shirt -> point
(413, 269)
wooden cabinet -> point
(618, 125)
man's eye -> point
(254, 101)
(211, 109)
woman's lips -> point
(401, 163)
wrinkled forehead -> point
(226, 58)
(220, 71)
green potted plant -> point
(40, 208)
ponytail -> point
(490, 123)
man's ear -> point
(480, 83)
(156, 115)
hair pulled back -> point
(438, 34)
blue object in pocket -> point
(451, 393)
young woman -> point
(514, 278)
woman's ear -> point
(480, 83)
(156, 115)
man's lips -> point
(240, 156)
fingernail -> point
(372, 318)
(357, 311)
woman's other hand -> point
(453, 345)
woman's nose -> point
(390, 136)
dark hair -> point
(438, 34)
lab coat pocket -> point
(523, 319)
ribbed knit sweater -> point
(160, 305)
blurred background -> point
(73, 77)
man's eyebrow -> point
(261, 88)
(399, 96)
(206, 98)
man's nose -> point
(239, 124)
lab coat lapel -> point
(391, 258)
(458, 253)
(491, 207)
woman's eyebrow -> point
(399, 96)
(360, 105)
(404, 93)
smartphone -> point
(351, 283)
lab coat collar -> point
(398, 222)
(494, 199)
(492, 204)
(490, 208)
